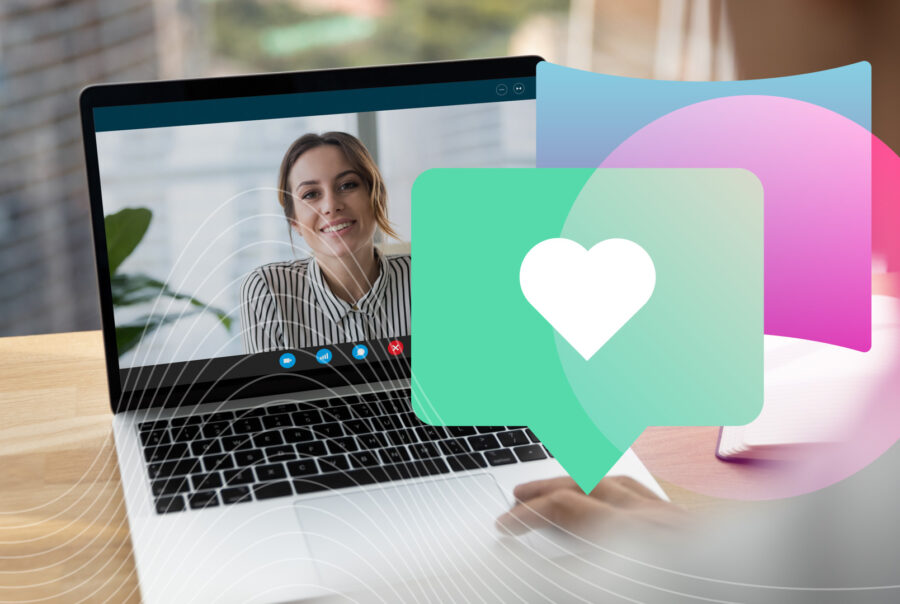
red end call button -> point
(395, 347)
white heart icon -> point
(587, 296)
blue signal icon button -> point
(323, 356)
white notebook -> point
(814, 392)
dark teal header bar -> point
(240, 109)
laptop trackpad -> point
(388, 533)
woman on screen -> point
(333, 196)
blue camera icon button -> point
(287, 360)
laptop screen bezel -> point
(139, 93)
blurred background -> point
(50, 49)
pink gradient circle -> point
(812, 164)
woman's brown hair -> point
(358, 156)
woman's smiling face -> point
(332, 206)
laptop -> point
(259, 379)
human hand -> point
(618, 502)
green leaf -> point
(127, 337)
(124, 231)
(130, 289)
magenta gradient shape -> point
(815, 168)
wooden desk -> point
(686, 456)
(63, 528)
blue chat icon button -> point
(287, 360)
(360, 352)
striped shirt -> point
(288, 305)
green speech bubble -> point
(691, 356)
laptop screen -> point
(270, 234)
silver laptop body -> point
(239, 486)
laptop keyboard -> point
(286, 449)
